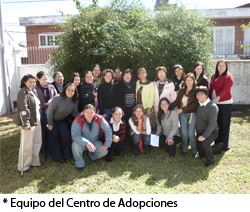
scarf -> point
(177, 83)
(127, 83)
(141, 143)
(45, 90)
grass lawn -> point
(153, 173)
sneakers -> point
(208, 164)
(80, 169)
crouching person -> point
(118, 130)
(85, 132)
(206, 126)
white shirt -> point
(230, 101)
(115, 127)
(205, 103)
(37, 102)
(134, 128)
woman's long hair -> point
(216, 69)
(25, 78)
(160, 111)
(108, 71)
(193, 78)
(174, 77)
(202, 75)
(75, 96)
(134, 116)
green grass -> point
(153, 173)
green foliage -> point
(133, 37)
(244, 28)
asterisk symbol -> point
(5, 200)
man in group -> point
(85, 133)
(206, 126)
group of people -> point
(104, 112)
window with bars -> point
(224, 40)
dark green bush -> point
(132, 39)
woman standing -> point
(97, 75)
(220, 92)
(61, 106)
(163, 88)
(187, 105)
(199, 75)
(87, 92)
(125, 95)
(145, 95)
(168, 128)
(46, 92)
(118, 134)
(106, 94)
(28, 107)
(178, 77)
(140, 130)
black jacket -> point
(86, 95)
(121, 89)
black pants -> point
(224, 120)
(60, 141)
(45, 148)
(116, 148)
(205, 149)
(171, 149)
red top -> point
(222, 87)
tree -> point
(244, 28)
(133, 37)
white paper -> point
(154, 141)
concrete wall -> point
(240, 69)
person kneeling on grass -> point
(140, 130)
(168, 128)
(206, 126)
(85, 132)
(118, 130)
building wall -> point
(237, 22)
(32, 33)
(9, 77)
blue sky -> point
(12, 11)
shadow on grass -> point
(156, 165)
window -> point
(224, 40)
(45, 39)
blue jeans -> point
(188, 131)
(78, 150)
(135, 140)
